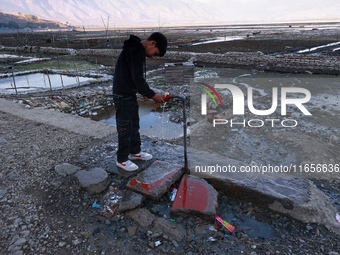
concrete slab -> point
(142, 165)
(195, 197)
(298, 198)
(72, 123)
(156, 180)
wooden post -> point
(15, 86)
(96, 65)
(49, 80)
(77, 77)
(62, 82)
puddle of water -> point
(39, 81)
(332, 46)
(6, 56)
(220, 39)
(252, 227)
(152, 123)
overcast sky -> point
(175, 12)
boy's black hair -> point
(161, 42)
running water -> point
(163, 121)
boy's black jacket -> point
(129, 72)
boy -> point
(129, 78)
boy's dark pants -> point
(127, 121)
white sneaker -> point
(127, 165)
(140, 156)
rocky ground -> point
(45, 213)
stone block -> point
(195, 197)
(156, 180)
(65, 169)
(130, 201)
(94, 180)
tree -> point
(30, 16)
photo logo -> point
(204, 97)
(239, 104)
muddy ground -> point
(43, 213)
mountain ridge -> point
(127, 13)
(26, 21)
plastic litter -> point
(158, 243)
(96, 205)
(111, 203)
(167, 96)
(211, 239)
(173, 194)
(224, 223)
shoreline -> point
(280, 62)
(94, 28)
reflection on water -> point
(39, 81)
(152, 123)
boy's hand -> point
(158, 98)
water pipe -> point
(167, 97)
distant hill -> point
(165, 13)
(26, 21)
